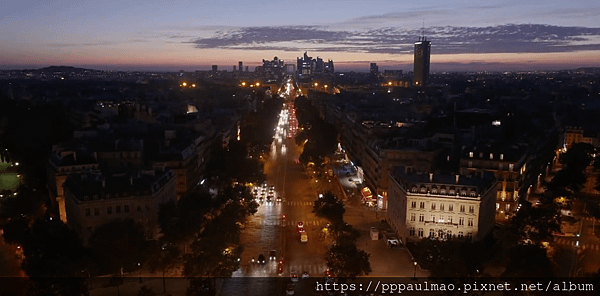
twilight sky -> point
(192, 35)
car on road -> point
(261, 259)
(305, 275)
(293, 277)
(280, 267)
(273, 255)
(303, 237)
(300, 224)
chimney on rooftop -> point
(457, 178)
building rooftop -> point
(94, 186)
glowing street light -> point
(184, 84)
(316, 84)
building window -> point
(449, 219)
(462, 208)
(441, 220)
(472, 193)
(491, 156)
(413, 204)
(431, 233)
(96, 212)
(411, 231)
(443, 191)
(433, 218)
(470, 164)
(109, 210)
(461, 221)
(126, 208)
(451, 207)
(508, 207)
(460, 234)
(434, 190)
(118, 208)
(497, 206)
(501, 156)
(469, 235)
(470, 222)
(412, 217)
(87, 212)
(422, 205)
(471, 209)
(420, 233)
(421, 218)
(441, 207)
(511, 167)
(449, 234)
(433, 206)
(441, 233)
(471, 154)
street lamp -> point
(140, 268)
(415, 272)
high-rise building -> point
(374, 69)
(272, 70)
(241, 67)
(215, 68)
(307, 65)
(422, 52)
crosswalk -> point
(575, 243)
(289, 223)
(299, 203)
(291, 203)
(297, 269)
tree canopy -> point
(120, 243)
(330, 207)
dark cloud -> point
(511, 38)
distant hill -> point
(64, 69)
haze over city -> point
(193, 35)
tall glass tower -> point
(422, 52)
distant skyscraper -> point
(241, 67)
(214, 68)
(422, 52)
(374, 69)
(234, 68)
(307, 65)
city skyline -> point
(474, 36)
